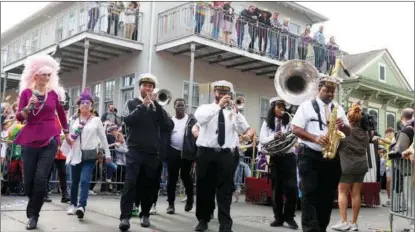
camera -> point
(368, 122)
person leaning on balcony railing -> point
(285, 39)
(227, 21)
(93, 14)
(240, 26)
(274, 35)
(114, 11)
(254, 14)
(305, 40)
(319, 48)
(264, 24)
(332, 49)
(129, 20)
(216, 17)
(200, 16)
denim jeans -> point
(81, 176)
(242, 171)
(111, 169)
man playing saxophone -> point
(319, 176)
(283, 166)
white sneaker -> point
(341, 226)
(71, 210)
(153, 210)
(354, 227)
(184, 199)
(91, 192)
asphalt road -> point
(103, 212)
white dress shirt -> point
(207, 117)
(305, 113)
(267, 134)
(93, 134)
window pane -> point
(128, 81)
(195, 98)
(382, 72)
(96, 92)
(109, 90)
(390, 120)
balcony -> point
(71, 31)
(181, 26)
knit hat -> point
(111, 128)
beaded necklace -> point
(33, 107)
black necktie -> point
(221, 128)
(278, 126)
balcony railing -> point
(236, 31)
(81, 17)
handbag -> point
(88, 155)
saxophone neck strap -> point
(317, 110)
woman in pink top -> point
(40, 96)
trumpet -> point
(163, 97)
(239, 103)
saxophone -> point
(334, 135)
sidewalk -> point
(103, 212)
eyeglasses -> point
(46, 74)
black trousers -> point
(141, 176)
(176, 164)
(37, 163)
(155, 190)
(284, 182)
(59, 165)
(214, 173)
(319, 180)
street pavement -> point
(103, 211)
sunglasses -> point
(86, 102)
(46, 74)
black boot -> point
(124, 225)
(65, 199)
(188, 206)
(145, 221)
(47, 198)
(277, 223)
(202, 226)
(292, 224)
(32, 223)
(170, 209)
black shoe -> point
(292, 224)
(170, 209)
(188, 206)
(202, 226)
(31, 224)
(65, 199)
(47, 199)
(277, 223)
(145, 221)
(124, 225)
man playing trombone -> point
(283, 163)
(145, 121)
(219, 123)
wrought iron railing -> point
(236, 31)
(81, 17)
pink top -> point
(40, 128)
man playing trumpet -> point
(145, 122)
(319, 176)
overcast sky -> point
(357, 26)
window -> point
(83, 17)
(96, 92)
(244, 96)
(75, 92)
(59, 30)
(390, 120)
(264, 107)
(72, 24)
(294, 28)
(382, 73)
(375, 114)
(195, 99)
(35, 37)
(109, 93)
(127, 88)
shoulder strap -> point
(317, 110)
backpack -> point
(317, 110)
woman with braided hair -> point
(352, 152)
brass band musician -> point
(319, 176)
(283, 166)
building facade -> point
(183, 44)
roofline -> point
(399, 70)
(297, 6)
(35, 15)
